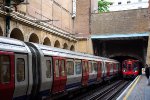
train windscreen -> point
(129, 67)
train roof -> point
(110, 60)
(9, 44)
(48, 50)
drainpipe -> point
(7, 3)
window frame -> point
(78, 61)
(9, 70)
(17, 69)
(70, 60)
(90, 64)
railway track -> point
(107, 92)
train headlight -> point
(135, 71)
(124, 70)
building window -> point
(111, 3)
(20, 70)
(128, 2)
(119, 3)
(4, 69)
(140, 0)
(48, 66)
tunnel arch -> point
(127, 56)
(1, 32)
(65, 46)
(57, 44)
(72, 48)
(47, 41)
(34, 38)
(17, 34)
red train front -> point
(130, 68)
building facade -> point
(49, 22)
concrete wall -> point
(94, 6)
(50, 9)
(130, 21)
(85, 46)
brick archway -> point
(17, 34)
(65, 46)
(57, 44)
(47, 41)
(1, 32)
(72, 48)
(34, 38)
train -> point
(130, 68)
(30, 71)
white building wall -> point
(127, 4)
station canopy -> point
(119, 36)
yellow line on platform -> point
(130, 90)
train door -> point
(59, 75)
(6, 75)
(114, 68)
(21, 76)
(48, 73)
(99, 71)
(108, 69)
(85, 72)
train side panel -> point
(74, 74)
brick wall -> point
(83, 17)
(130, 21)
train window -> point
(83, 65)
(4, 69)
(48, 66)
(70, 68)
(56, 68)
(20, 69)
(129, 66)
(135, 64)
(124, 65)
(90, 67)
(95, 67)
(86, 67)
(62, 67)
(100, 66)
(78, 67)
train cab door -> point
(85, 73)
(6, 75)
(99, 71)
(59, 75)
(21, 76)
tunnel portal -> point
(122, 48)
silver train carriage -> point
(31, 71)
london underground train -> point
(130, 68)
(30, 71)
